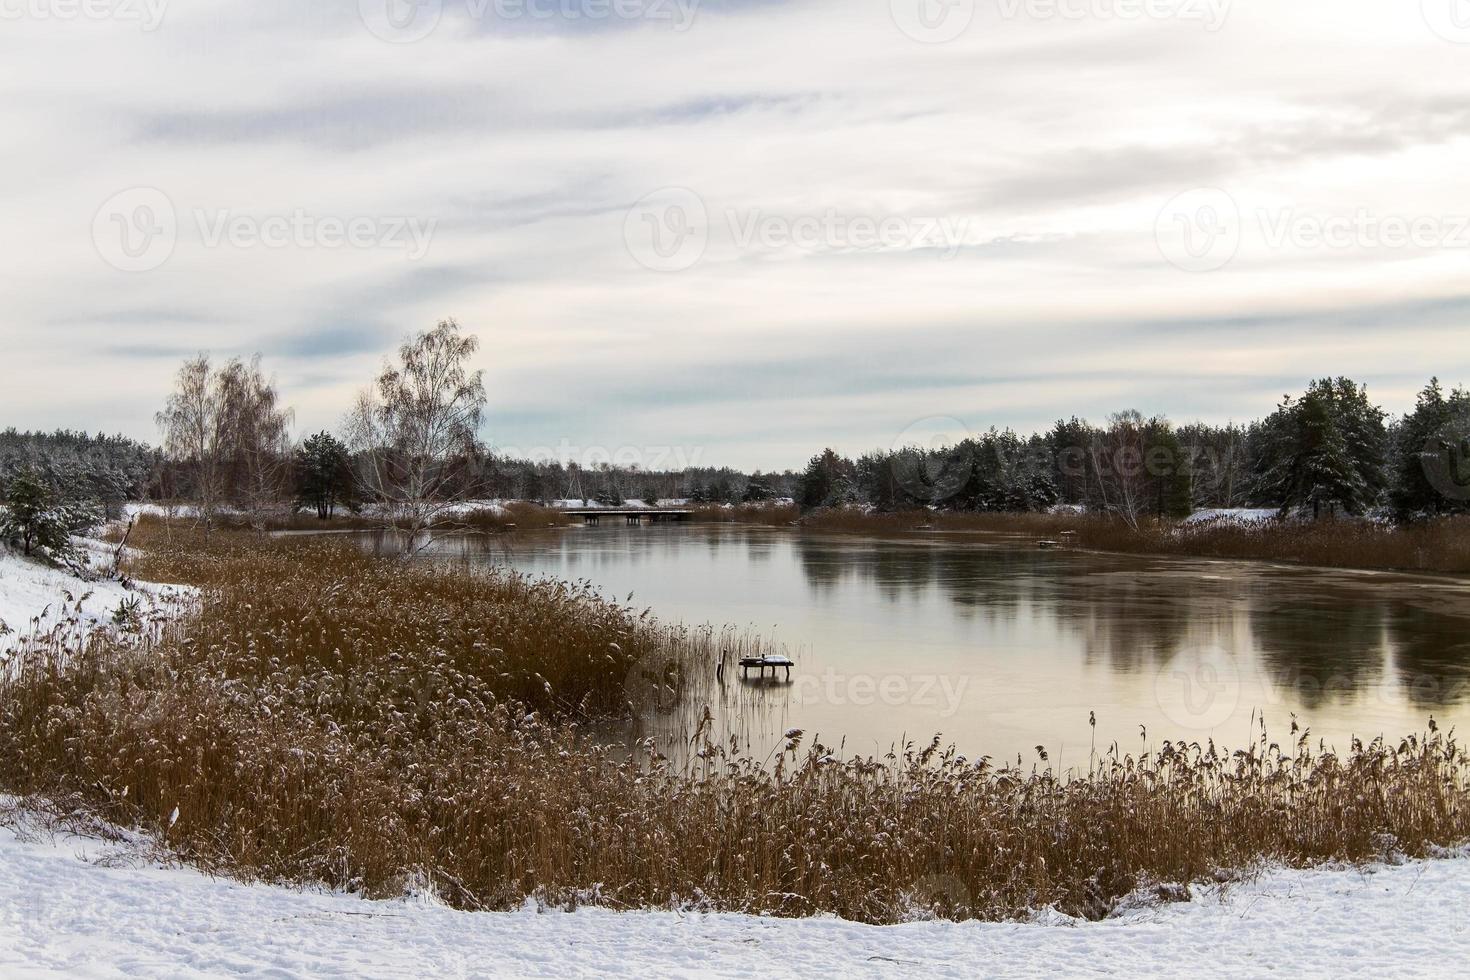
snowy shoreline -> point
(65, 912)
(79, 906)
(35, 597)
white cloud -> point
(1054, 142)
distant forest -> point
(1328, 450)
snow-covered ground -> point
(33, 596)
(64, 912)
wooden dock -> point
(630, 515)
(773, 663)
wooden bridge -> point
(631, 515)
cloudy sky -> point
(739, 229)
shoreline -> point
(82, 908)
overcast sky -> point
(742, 229)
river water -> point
(1000, 647)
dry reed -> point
(380, 725)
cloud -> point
(1052, 145)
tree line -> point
(410, 449)
(1329, 451)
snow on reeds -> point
(382, 726)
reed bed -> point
(389, 726)
(779, 515)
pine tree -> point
(1170, 470)
(758, 489)
(1428, 477)
(1323, 470)
(33, 520)
(817, 480)
(323, 475)
(1326, 449)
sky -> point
(733, 232)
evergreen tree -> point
(34, 520)
(818, 486)
(1170, 470)
(1322, 469)
(1429, 443)
(1366, 438)
(323, 473)
(1326, 449)
(758, 489)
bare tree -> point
(193, 432)
(258, 434)
(227, 429)
(416, 430)
(1122, 475)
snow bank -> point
(63, 912)
(34, 597)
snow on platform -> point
(62, 914)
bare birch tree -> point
(193, 432)
(1125, 480)
(416, 430)
(227, 429)
(258, 434)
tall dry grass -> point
(778, 515)
(383, 725)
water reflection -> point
(1032, 640)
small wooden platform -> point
(774, 663)
(632, 516)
